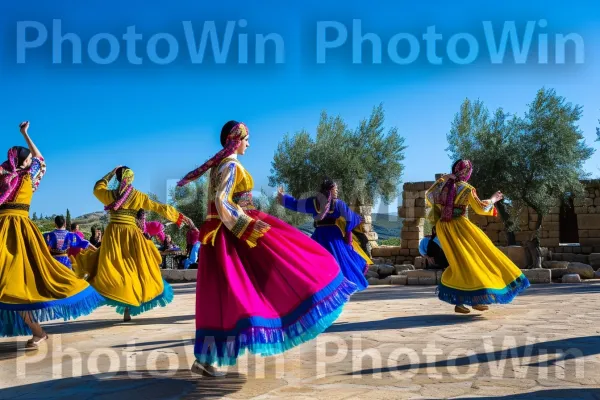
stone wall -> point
(413, 212)
(366, 213)
(586, 209)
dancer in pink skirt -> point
(262, 285)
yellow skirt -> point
(360, 251)
(125, 270)
(33, 282)
(478, 272)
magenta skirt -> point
(267, 299)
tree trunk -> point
(533, 246)
(508, 223)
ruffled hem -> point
(267, 337)
(483, 296)
(81, 304)
(162, 300)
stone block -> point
(372, 274)
(583, 270)
(176, 275)
(588, 221)
(571, 278)
(590, 241)
(594, 260)
(558, 273)
(373, 281)
(385, 270)
(419, 263)
(549, 242)
(517, 255)
(538, 275)
(385, 281)
(555, 264)
(411, 236)
(399, 280)
(403, 267)
(421, 277)
(190, 275)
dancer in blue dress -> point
(61, 240)
(334, 222)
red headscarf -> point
(192, 237)
(462, 171)
(234, 139)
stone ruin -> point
(570, 238)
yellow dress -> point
(31, 280)
(357, 247)
(126, 268)
(478, 272)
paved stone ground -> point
(392, 342)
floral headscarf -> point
(10, 175)
(462, 171)
(124, 190)
(238, 133)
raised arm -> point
(233, 216)
(101, 188)
(306, 206)
(24, 126)
(482, 207)
(165, 210)
(78, 242)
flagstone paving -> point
(391, 342)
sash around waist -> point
(124, 217)
(18, 209)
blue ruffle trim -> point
(268, 337)
(81, 304)
(161, 300)
(483, 296)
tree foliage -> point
(536, 160)
(68, 219)
(487, 140)
(365, 162)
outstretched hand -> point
(24, 126)
(261, 225)
(280, 193)
(497, 197)
(188, 221)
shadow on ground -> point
(413, 321)
(181, 384)
(82, 325)
(555, 394)
(559, 350)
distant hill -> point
(387, 226)
(85, 222)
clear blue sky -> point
(163, 120)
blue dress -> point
(60, 240)
(331, 233)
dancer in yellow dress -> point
(34, 287)
(126, 268)
(478, 273)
